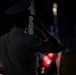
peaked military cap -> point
(20, 7)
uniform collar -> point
(17, 29)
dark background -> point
(66, 17)
(66, 20)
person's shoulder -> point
(4, 36)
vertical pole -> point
(31, 26)
(55, 6)
(55, 20)
(31, 31)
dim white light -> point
(54, 9)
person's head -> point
(19, 14)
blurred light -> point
(48, 59)
(54, 9)
(42, 70)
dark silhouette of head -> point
(19, 14)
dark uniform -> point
(18, 50)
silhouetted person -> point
(18, 50)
